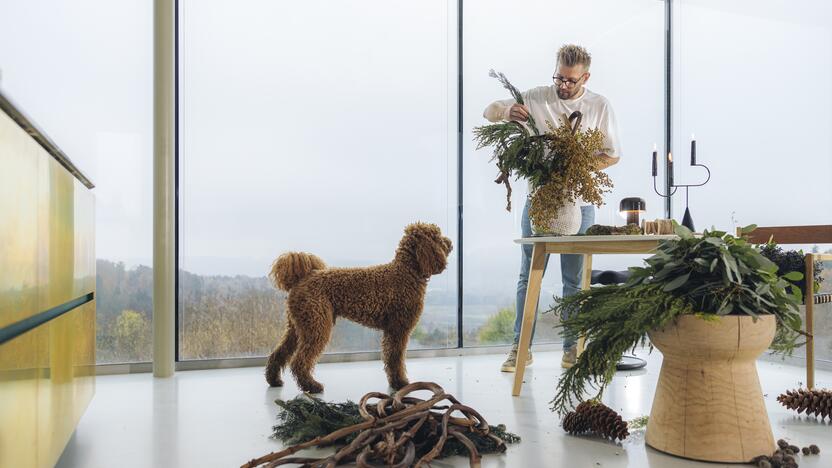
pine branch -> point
(614, 319)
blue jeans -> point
(570, 269)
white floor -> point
(223, 418)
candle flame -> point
(669, 157)
(654, 147)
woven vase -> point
(566, 221)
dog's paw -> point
(312, 387)
(274, 381)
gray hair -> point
(570, 55)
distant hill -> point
(219, 317)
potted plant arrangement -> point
(560, 166)
(711, 304)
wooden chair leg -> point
(809, 300)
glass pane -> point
(88, 84)
(625, 39)
(758, 104)
(304, 132)
(759, 126)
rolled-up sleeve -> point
(498, 111)
(609, 127)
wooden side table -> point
(583, 245)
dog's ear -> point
(431, 254)
(427, 258)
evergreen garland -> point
(305, 417)
(712, 275)
(614, 319)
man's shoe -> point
(511, 362)
(570, 356)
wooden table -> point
(583, 245)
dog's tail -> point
(292, 267)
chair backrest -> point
(819, 234)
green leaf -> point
(747, 310)
(732, 264)
(725, 309)
(676, 283)
(797, 294)
(763, 288)
(714, 241)
(713, 264)
(793, 276)
(748, 229)
(701, 262)
(682, 231)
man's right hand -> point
(518, 112)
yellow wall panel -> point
(68, 383)
(47, 253)
(19, 180)
(19, 381)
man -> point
(549, 103)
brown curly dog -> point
(387, 297)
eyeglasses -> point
(569, 82)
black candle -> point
(670, 168)
(655, 161)
(692, 150)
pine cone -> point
(813, 402)
(575, 423)
(595, 417)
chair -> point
(821, 234)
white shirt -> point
(545, 106)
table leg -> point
(529, 312)
(586, 282)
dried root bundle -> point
(396, 430)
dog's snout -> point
(448, 244)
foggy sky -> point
(326, 126)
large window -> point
(328, 126)
(315, 126)
(86, 80)
(752, 82)
(521, 40)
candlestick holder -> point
(687, 219)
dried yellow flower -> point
(573, 161)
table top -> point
(595, 239)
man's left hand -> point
(604, 161)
